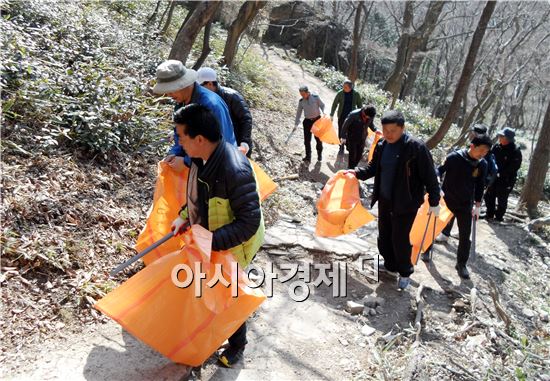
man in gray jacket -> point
(313, 107)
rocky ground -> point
(494, 326)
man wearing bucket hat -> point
(508, 159)
(238, 108)
(179, 83)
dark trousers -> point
(447, 229)
(238, 339)
(308, 123)
(341, 120)
(498, 192)
(355, 154)
(464, 221)
(393, 238)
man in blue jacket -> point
(179, 83)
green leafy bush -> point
(73, 78)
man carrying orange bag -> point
(222, 197)
(402, 168)
(355, 132)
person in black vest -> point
(464, 172)
(508, 159)
(238, 108)
(355, 132)
(403, 171)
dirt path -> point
(317, 338)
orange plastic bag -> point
(266, 186)
(172, 320)
(339, 207)
(375, 136)
(421, 228)
(170, 195)
(323, 129)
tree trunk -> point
(248, 11)
(394, 81)
(538, 169)
(464, 81)
(169, 18)
(409, 42)
(154, 15)
(187, 34)
(205, 47)
(356, 41)
(168, 6)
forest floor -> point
(461, 336)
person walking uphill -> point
(238, 108)
(312, 106)
(345, 100)
(508, 159)
(221, 196)
(355, 132)
(464, 174)
(179, 83)
(403, 169)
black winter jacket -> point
(355, 130)
(414, 175)
(240, 115)
(508, 159)
(227, 177)
(464, 179)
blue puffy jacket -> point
(214, 103)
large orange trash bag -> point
(265, 184)
(170, 194)
(172, 320)
(339, 207)
(375, 137)
(323, 129)
(419, 227)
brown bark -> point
(538, 169)
(168, 18)
(356, 41)
(465, 77)
(205, 47)
(411, 42)
(248, 11)
(189, 30)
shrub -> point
(71, 78)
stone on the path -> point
(372, 301)
(354, 308)
(367, 330)
(544, 317)
(372, 312)
(529, 313)
(379, 310)
(285, 233)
